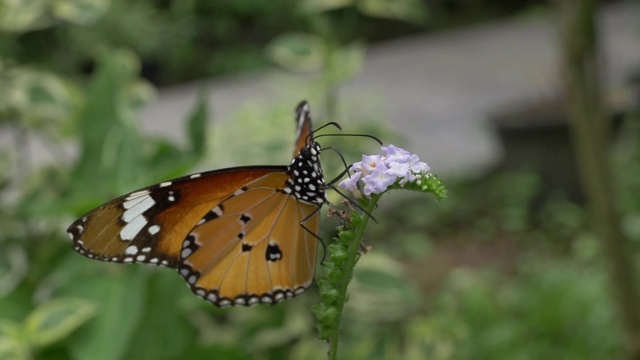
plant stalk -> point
(352, 259)
(591, 134)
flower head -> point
(378, 180)
(379, 172)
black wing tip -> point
(76, 229)
(303, 107)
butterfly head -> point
(306, 180)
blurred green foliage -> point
(70, 72)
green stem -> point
(591, 134)
(350, 263)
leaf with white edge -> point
(39, 96)
(23, 15)
(12, 341)
(14, 265)
(81, 12)
(13, 350)
(56, 319)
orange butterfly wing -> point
(261, 253)
(150, 224)
(238, 236)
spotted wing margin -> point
(251, 248)
(150, 224)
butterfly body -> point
(238, 236)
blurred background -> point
(101, 97)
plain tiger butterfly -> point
(238, 236)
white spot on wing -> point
(195, 176)
(132, 229)
(166, 183)
(240, 301)
(138, 209)
(131, 250)
(153, 229)
(136, 194)
(216, 210)
(131, 203)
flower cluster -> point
(379, 172)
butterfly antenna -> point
(331, 123)
(352, 201)
(353, 135)
(344, 162)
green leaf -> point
(378, 288)
(110, 141)
(14, 265)
(297, 51)
(346, 62)
(56, 319)
(316, 6)
(197, 126)
(12, 344)
(412, 11)
(120, 300)
(164, 323)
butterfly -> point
(238, 236)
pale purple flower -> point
(379, 172)
(401, 170)
(351, 183)
(394, 154)
(369, 163)
(416, 165)
(378, 181)
(398, 169)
